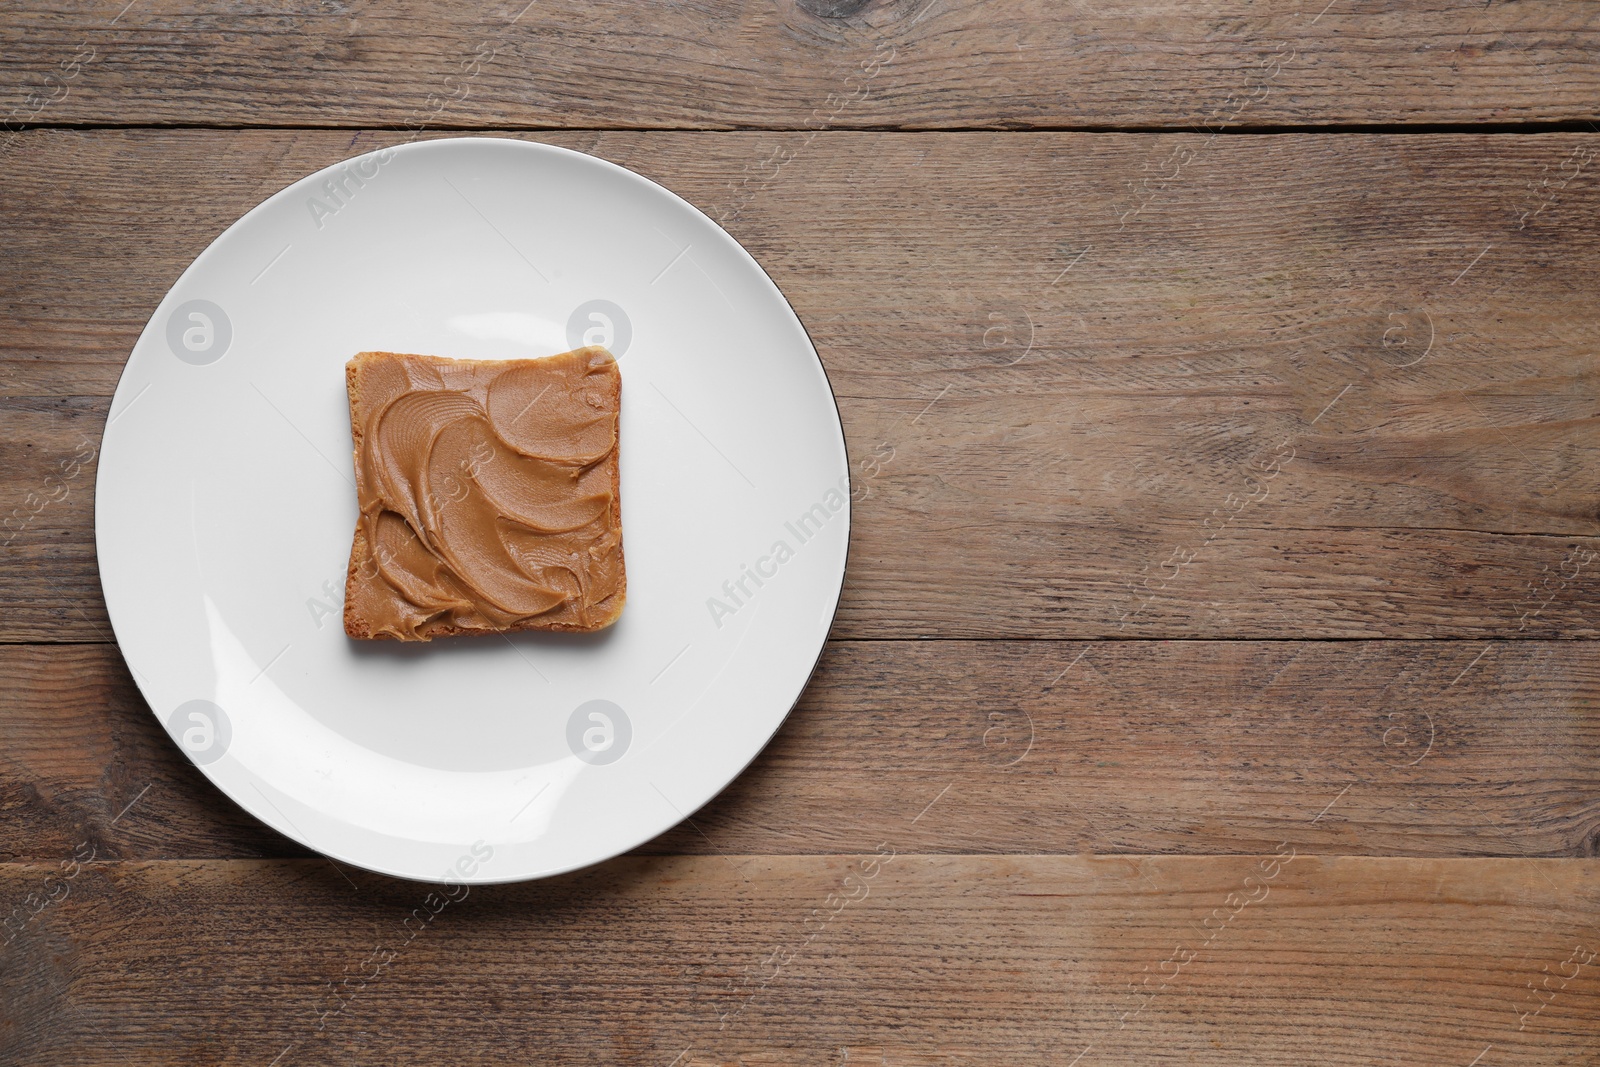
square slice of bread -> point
(489, 493)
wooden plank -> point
(814, 960)
(800, 63)
(1302, 387)
(1419, 749)
(48, 455)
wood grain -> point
(1419, 749)
(1254, 398)
(1293, 391)
(897, 63)
(760, 959)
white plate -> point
(226, 505)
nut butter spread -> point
(488, 495)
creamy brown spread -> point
(488, 495)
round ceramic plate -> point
(226, 505)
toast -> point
(489, 493)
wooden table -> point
(1215, 678)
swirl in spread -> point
(488, 495)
